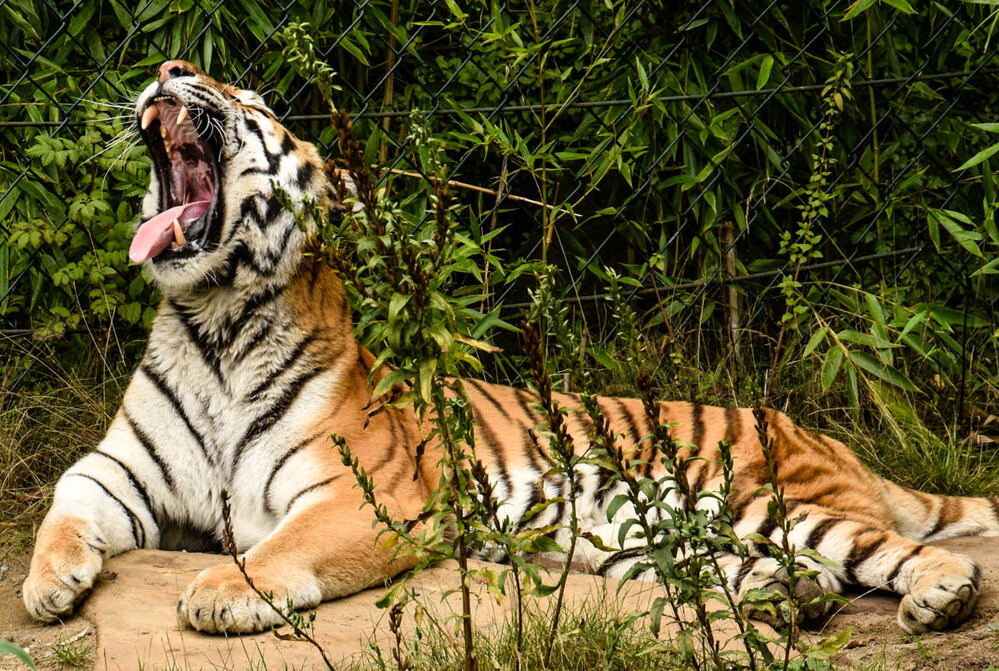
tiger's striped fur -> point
(252, 364)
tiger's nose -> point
(172, 69)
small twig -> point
(229, 545)
(470, 187)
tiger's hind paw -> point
(942, 604)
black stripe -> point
(702, 475)
(273, 160)
(136, 485)
(631, 431)
(277, 467)
(481, 389)
(388, 455)
(240, 254)
(150, 448)
(901, 562)
(498, 456)
(531, 448)
(697, 424)
(733, 425)
(744, 570)
(272, 415)
(252, 342)
(138, 532)
(859, 556)
(995, 507)
(767, 528)
(310, 488)
(944, 516)
(533, 498)
(273, 208)
(235, 327)
(205, 347)
(304, 176)
(819, 531)
(288, 362)
(164, 389)
(619, 557)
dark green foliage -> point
(796, 198)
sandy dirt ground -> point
(129, 622)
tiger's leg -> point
(320, 552)
(939, 588)
(104, 505)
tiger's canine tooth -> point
(152, 112)
(178, 234)
(181, 115)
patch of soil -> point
(76, 639)
(131, 611)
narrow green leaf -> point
(830, 367)
(11, 648)
(881, 370)
(901, 5)
(857, 8)
(764, 75)
(815, 341)
(983, 155)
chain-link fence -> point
(783, 177)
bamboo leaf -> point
(815, 341)
(983, 155)
(764, 75)
(881, 370)
(830, 367)
(857, 8)
(901, 5)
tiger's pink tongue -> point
(154, 235)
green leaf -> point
(764, 75)
(830, 367)
(11, 648)
(967, 239)
(874, 308)
(815, 341)
(983, 155)
(881, 370)
(615, 505)
(901, 5)
(857, 8)
(642, 77)
(396, 305)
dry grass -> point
(55, 414)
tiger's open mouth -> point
(186, 160)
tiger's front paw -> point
(220, 601)
(68, 556)
(769, 579)
(943, 602)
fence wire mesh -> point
(758, 170)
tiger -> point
(252, 364)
